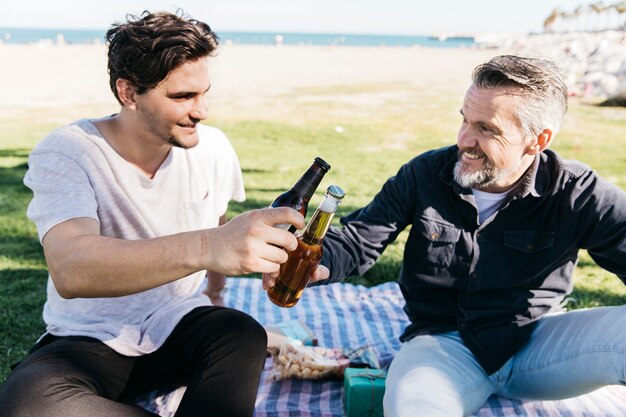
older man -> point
(496, 225)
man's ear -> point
(126, 93)
(541, 142)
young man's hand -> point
(249, 242)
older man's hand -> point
(320, 273)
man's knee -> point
(405, 396)
(246, 329)
(33, 390)
(238, 332)
(434, 375)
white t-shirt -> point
(488, 203)
(74, 173)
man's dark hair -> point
(144, 50)
(540, 80)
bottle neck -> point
(308, 183)
(317, 227)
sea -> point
(75, 36)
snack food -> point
(291, 360)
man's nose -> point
(465, 138)
(200, 109)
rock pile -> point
(594, 62)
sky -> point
(409, 17)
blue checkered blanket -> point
(351, 316)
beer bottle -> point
(299, 195)
(295, 273)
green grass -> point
(383, 127)
(22, 267)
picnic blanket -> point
(350, 316)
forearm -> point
(365, 233)
(216, 287)
(337, 257)
(215, 280)
(83, 263)
(354, 248)
(97, 266)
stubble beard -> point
(171, 139)
(156, 128)
(174, 141)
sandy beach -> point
(244, 77)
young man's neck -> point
(137, 146)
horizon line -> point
(294, 32)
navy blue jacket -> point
(492, 281)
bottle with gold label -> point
(296, 272)
(299, 195)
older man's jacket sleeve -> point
(599, 208)
(366, 232)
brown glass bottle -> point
(296, 272)
(299, 195)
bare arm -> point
(83, 263)
(216, 281)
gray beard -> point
(485, 176)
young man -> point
(496, 225)
(130, 211)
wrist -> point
(203, 255)
(216, 292)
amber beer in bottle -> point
(296, 272)
(299, 195)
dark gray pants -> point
(217, 352)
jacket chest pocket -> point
(434, 241)
(530, 242)
(524, 256)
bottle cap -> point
(336, 192)
(322, 164)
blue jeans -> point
(569, 354)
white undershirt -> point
(487, 203)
